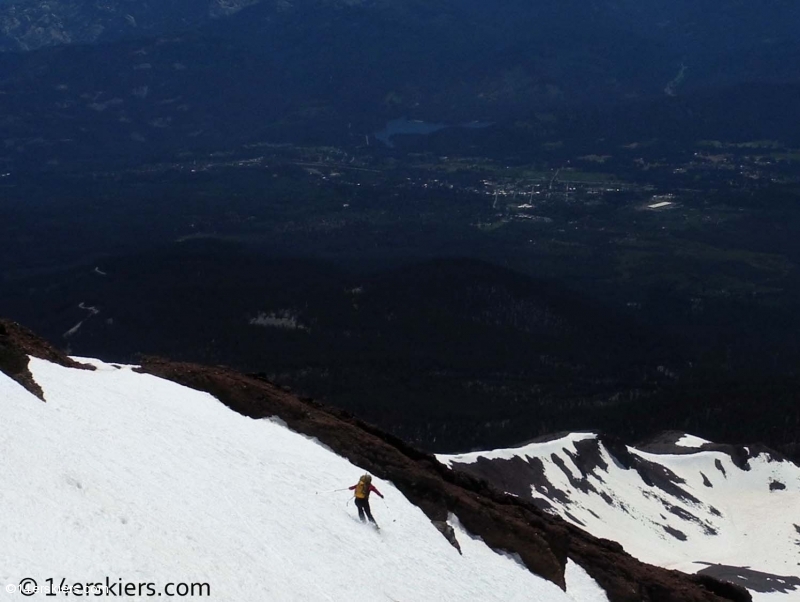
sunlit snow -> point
(690, 441)
(135, 478)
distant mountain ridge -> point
(685, 25)
(678, 501)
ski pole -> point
(387, 507)
(331, 491)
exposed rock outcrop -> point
(448, 532)
(16, 344)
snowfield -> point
(137, 479)
(717, 514)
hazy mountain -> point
(336, 71)
(31, 24)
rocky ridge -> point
(543, 543)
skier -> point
(362, 491)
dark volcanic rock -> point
(16, 344)
(588, 457)
(740, 456)
(516, 476)
(680, 535)
(724, 588)
(651, 473)
(665, 443)
(618, 450)
(504, 522)
(755, 580)
(582, 484)
(449, 533)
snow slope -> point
(684, 510)
(138, 479)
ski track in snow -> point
(132, 477)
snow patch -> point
(691, 441)
(580, 586)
